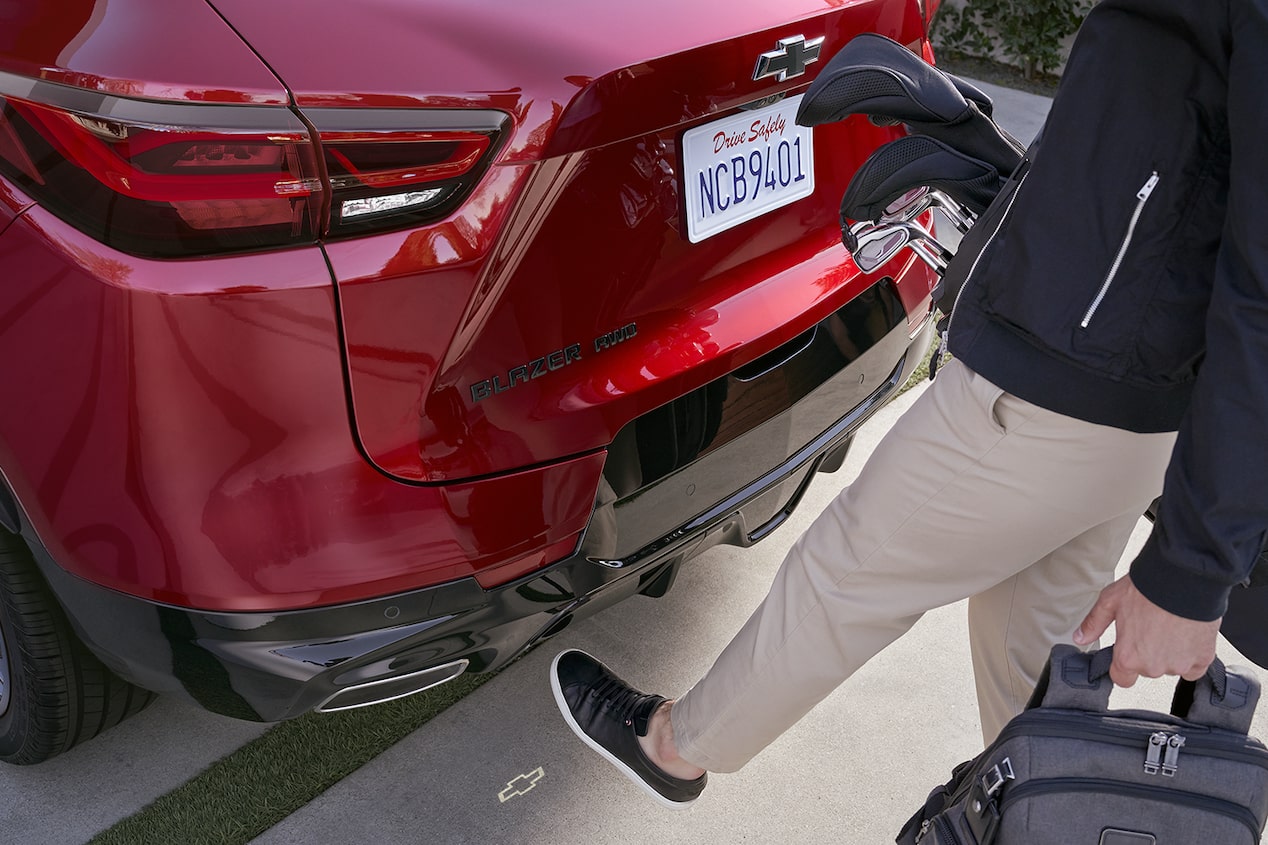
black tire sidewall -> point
(16, 723)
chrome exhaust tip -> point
(390, 689)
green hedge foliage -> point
(1028, 33)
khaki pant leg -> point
(968, 488)
(1013, 625)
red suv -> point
(352, 347)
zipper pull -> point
(1148, 187)
(1153, 756)
(1172, 760)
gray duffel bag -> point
(1070, 771)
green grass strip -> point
(249, 791)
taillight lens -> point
(172, 180)
(396, 167)
(164, 180)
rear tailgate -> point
(606, 263)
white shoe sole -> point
(603, 752)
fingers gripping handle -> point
(1078, 680)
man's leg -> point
(1013, 625)
(970, 487)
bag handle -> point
(1078, 680)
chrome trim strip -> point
(457, 667)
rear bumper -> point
(270, 666)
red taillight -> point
(167, 180)
(164, 180)
(395, 167)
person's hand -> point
(1148, 640)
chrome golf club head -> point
(919, 200)
(873, 244)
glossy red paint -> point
(12, 203)
(180, 50)
(299, 428)
(432, 313)
(584, 75)
(185, 438)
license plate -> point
(743, 166)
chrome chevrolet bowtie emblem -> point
(789, 60)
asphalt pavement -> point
(500, 766)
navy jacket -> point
(1122, 278)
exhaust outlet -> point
(390, 689)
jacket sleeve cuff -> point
(1176, 590)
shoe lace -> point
(621, 700)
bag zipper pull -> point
(1153, 756)
(1171, 761)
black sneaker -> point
(609, 715)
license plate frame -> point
(741, 167)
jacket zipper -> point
(1142, 197)
(1206, 803)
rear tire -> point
(54, 694)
